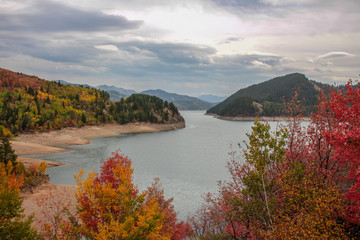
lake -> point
(188, 161)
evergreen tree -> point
(83, 118)
(7, 154)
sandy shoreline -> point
(46, 142)
(47, 200)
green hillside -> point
(29, 103)
(266, 98)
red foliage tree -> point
(171, 227)
(345, 139)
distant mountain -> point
(115, 96)
(116, 93)
(266, 98)
(211, 98)
(74, 84)
(182, 102)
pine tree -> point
(83, 118)
(7, 154)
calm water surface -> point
(188, 161)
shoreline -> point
(261, 118)
(47, 197)
(49, 142)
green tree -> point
(245, 205)
(83, 118)
(7, 154)
(263, 154)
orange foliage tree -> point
(110, 205)
(13, 225)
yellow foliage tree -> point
(111, 207)
(42, 167)
(309, 207)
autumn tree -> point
(13, 224)
(110, 205)
(263, 154)
(330, 147)
(344, 137)
(172, 228)
(307, 207)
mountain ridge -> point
(182, 102)
(116, 93)
(266, 98)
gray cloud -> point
(307, 16)
(334, 55)
(230, 40)
(233, 39)
(53, 49)
(48, 16)
(250, 60)
(243, 4)
(173, 53)
(57, 32)
(252, 7)
(71, 42)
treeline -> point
(28, 103)
(144, 108)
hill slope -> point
(266, 98)
(182, 102)
(29, 103)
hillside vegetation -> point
(267, 98)
(29, 103)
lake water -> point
(188, 161)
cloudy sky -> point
(189, 47)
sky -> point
(190, 47)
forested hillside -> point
(267, 98)
(29, 103)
